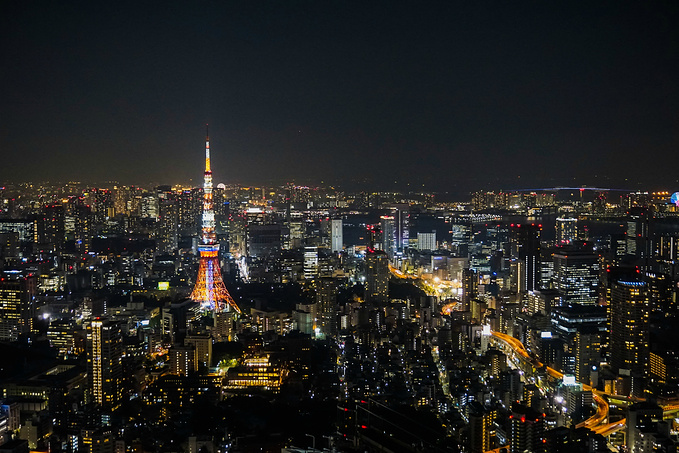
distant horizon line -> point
(403, 187)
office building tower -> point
(189, 205)
(203, 347)
(101, 201)
(210, 290)
(527, 430)
(667, 254)
(629, 327)
(336, 239)
(223, 326)
(326, 297)
(52, 227)
(576, 273)
(525, 248)
(104, 362)
(644, 418)
(639, 238)
(542, 301)
(388, 228)
(402, 224)
(168, 234)
(80, 219)
(149, 206)
(470, 287)
(310, 263)
(27, 230)
(183, 360)
(482, 431)
(568, 320)
(377, 276)
(566, 230)
(121, 197)
(588, 341)
(426, 241)
(17, 305)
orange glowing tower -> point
(210, 290)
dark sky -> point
(448, 94)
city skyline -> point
(440, 226)
(442, 95)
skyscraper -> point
(566, 230)
(387, 225)
(326, 297)
(527, 430)
(426, 241)
(310, 262)
(17, 298)
(402, 218)
(629, 326)
(576, 273)
(377, 276)
(482, 432)
(525, 249)
(104, 362)
(336, 235)
(210, 290)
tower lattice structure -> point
(210, 289)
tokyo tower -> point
(210, 290)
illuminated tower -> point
(210, 290)
(104, 362)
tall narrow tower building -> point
(104, 362)
(210, 290)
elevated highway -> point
(599, 418)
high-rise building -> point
(482, 431)
(525, 248)
(388, 228)
(203, 346)
(426, 241)
(168, 233)
(182, 360)
(102, 204)
(82, 227)
(149, 206)
(121, 196)
(52, 227)
(470, 287)
(17, 298)
(27, 230)
(576, 273)
(566, 230)
(326, 296)
(629, 327)
(188, 211)
(402, 218)
(310, 262)
(104, 362)
(588, 341)
(377, 276)
(223, 326)
(336, 240)
(527, 430)
(643, 419)
(210, 290)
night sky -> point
(453, 95)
